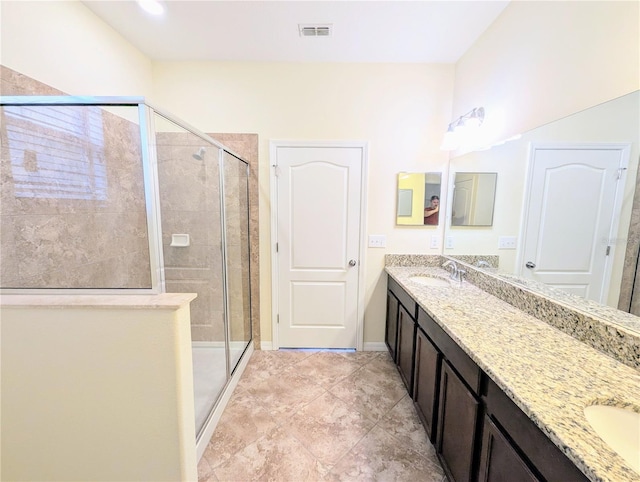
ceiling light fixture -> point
(151, 6)
(462, 129)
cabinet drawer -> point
(405, 300)
(463, 364)
(549, 461)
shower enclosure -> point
(112, 195)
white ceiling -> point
(363, 31)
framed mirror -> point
(418, 202)
(474, 196)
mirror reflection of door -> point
(473, 198)
(418, 198)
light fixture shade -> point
(449, 141)
(464, 131)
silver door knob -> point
(530, 265)
(352, 262)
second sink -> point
(619, 428)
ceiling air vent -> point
(316, 30)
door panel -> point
(570, 218)
(318, 234)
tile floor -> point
(320, 416)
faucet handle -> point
(461, 273)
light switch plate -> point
(507, 242)
(435, 242)
(448, 242)
(377, 241)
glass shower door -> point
(189, 192)
(236, 216)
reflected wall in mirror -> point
(418, 198)
(616, 123)
(474, 195)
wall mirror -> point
(474, 195)
(418, 202)
(616, 122)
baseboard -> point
(234, 345)
(368, 346)
(375, 346)
(266, 345)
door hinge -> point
(620, 170)
(608, 250)
(276, 247)
(276, 170)
(278, 319)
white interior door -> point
(574, 204)
(318, 245)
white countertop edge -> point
(162, 301)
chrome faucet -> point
(457, 274)
(454, 269)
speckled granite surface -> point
(611, 331)
(604, 328)
(550, 375)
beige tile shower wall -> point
(190, 204)
(51, 242)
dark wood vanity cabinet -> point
(406, 340)
(391, 331)
(404, 319)
(499, 460)
(457, 421)
(456, 398)
(542, 457)
(478, 431)
(426, 382)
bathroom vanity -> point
(501, 394)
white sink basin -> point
(619, 428)
(430, 280)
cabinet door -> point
(391, 334)
(406, 335)
(458, 414)
(426, 378)
(499, 461)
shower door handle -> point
(352, 262)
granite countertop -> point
(551, 376)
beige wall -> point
(97, 388)
(399, 108)
(63, 44)
(540, 61)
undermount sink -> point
(430, 280)
(619, 428)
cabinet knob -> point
(352, 262)
(530, 264)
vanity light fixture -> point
(151, 6)
(462, 129)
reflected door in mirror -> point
(473, 198)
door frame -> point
(273, 197)
(625, 150)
